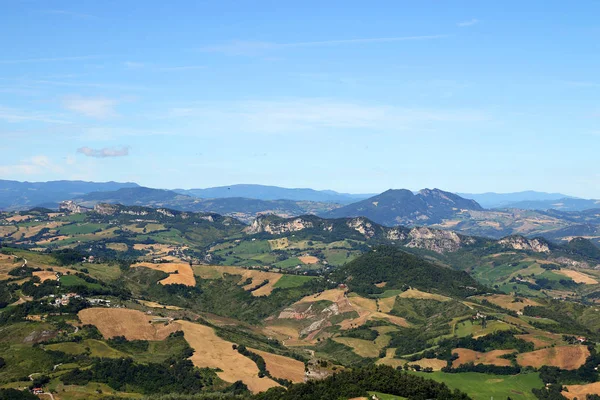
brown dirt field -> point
(578, 277)
(565, 357)
(117, 246)
(362, 302)
(132, 324)
(217, 271)
(506, 301)
(308, 259)
(45, 275)
(386, 305)
(283, 330)
(213, 352)
(154, 304)
(7, 230)
(381, 284)
(331, 295)
(417, 294)
(580, 391)
(430, 362)
(52, 239)
(19, 218)
(282, 367)
(30, 231)
(490, 357)
(184, 275)
(392, 362)
(541, 339)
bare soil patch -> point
(257, 277)
(213, 352)
(509, 302)
(282, 367)
(580, 391)
(45, 275)
(578, 277)
(565, 357)
(308, 259)
(490, 358)
(417, 294)
(132, 324)
(179, 273)
(154, 304)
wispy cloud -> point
(238, 47)
(94, 107)
(50, 59)
(470, 22)
(104, 152)
(293, 115)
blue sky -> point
(353, 96)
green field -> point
(487, 386)
(467, 328)
(383, 396)
(72, 280)
(103, 272)
(289, 263)
(21, 358)
(289, 281)
(96, 348)
(81, 229)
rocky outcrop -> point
(105, 209)
(522, 243)
(262, 224)
(362, 226)
(71, 207)
(436, 240)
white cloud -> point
(94, 107)
(312, 114)
(104, 152)
(470, 22)
(239, 47)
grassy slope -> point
(486, 386)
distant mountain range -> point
(241, 208)
(16, 195)
(504, 200)
(263, 192)
(562, 204)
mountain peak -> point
(401, 206)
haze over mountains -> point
(555, 219)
